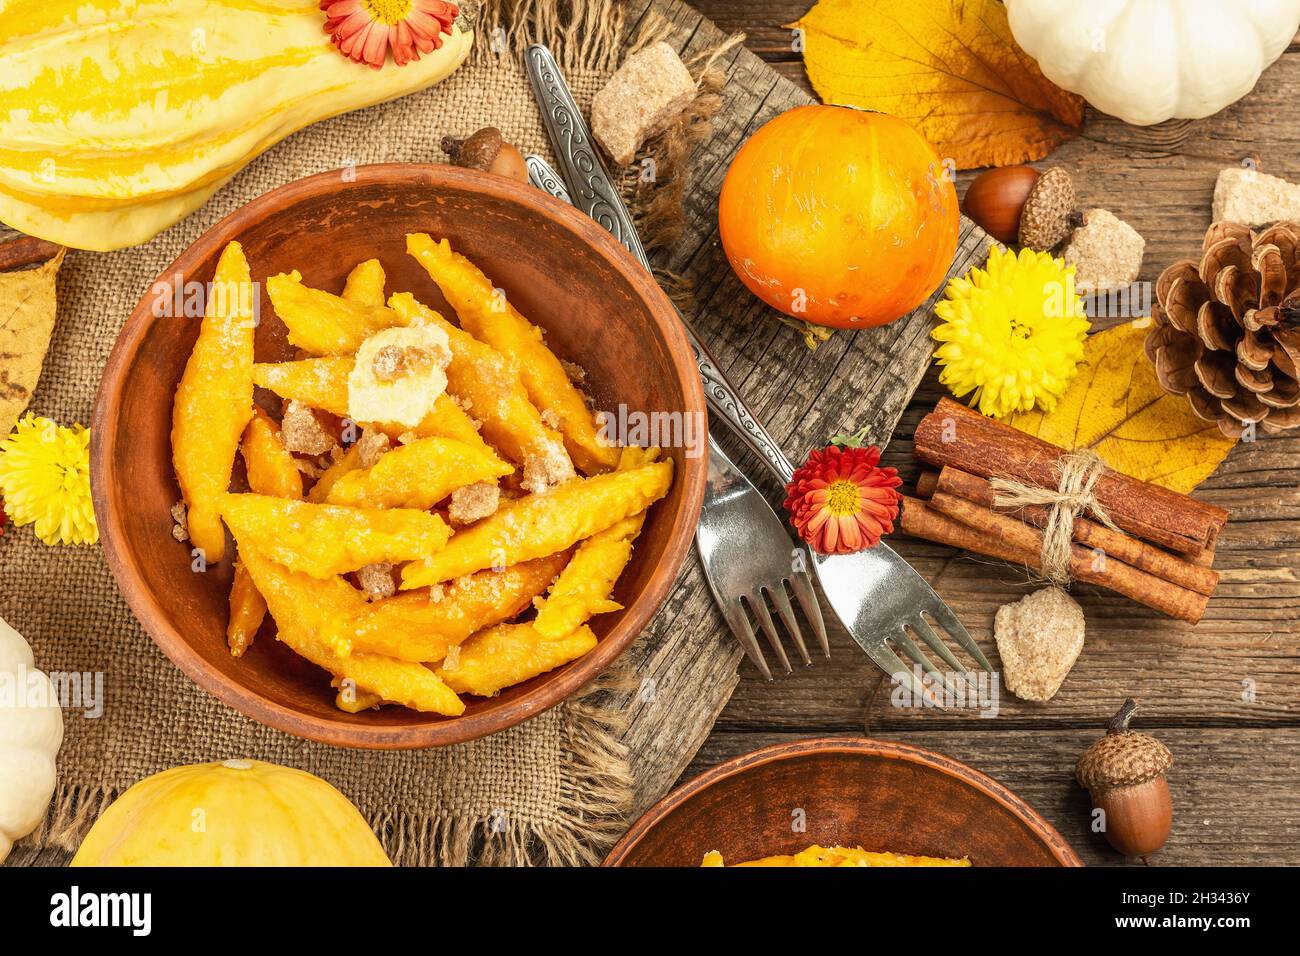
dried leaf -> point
(27, 307)
(1116, 407)
(949, 67)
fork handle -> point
(594, 192)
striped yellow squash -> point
(120, 117)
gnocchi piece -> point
(214, 401)
(418, 475)
(326, 540)
(509, 654)
(537, 525)
(583, 589)
(365, 284)
(271, 471)
(319, 382)
(349, 461)
(485, 314)
(247, 611)
(321, 323)
(424, 625)
(302, 605)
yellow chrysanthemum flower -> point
(1011, 332)
(45, 480)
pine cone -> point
(1227, 332)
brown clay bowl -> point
(598, 307)
(853, 792)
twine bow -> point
(1077, 473)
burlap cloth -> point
(555, 789)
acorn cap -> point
(1045, 220)
(1123, 758)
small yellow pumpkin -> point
(232, 813)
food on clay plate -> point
(430, 510)
(838, 856)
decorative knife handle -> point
(595, 194)
(543, 177)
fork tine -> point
(759, 607)
(926, 633)
(802, 586)
(738, 621)
(893, 665)
(948, 621)
(923, 628)
(783, 608)
(914, 652)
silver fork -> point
(878, 596)
(746, 552)
(749, 559)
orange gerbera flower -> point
(841, 501)
(365, 29)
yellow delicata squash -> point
(120, 117)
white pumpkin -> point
(31, 730)
(1146, 61)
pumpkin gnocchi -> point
(838, 856)
(413, 564)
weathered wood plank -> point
(686, 664)
(1233, 789)
(1160, 178)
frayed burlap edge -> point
(593, 810)
(583, 34)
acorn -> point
(1124, 772)
(487, 150)
(1050, 213)
(995, 198)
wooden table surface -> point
(1224, 695)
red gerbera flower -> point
(841, 501)
(365, 29)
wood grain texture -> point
(686, 664)
(1230, 806)
(1228, 688)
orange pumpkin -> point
(839, 216)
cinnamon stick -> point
(1113, 544)
(961, 437)
(927, 482)
(921, 521)
(1154, 592)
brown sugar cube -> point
(1039, 639)
(1253, 198)
(647, 93)
(1106, 252)
(473, 502)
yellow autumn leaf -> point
(949, 67)
(26, 323)
(1116, 407)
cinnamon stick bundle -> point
(1008, 533)
(961, 437)
(1113, 544)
